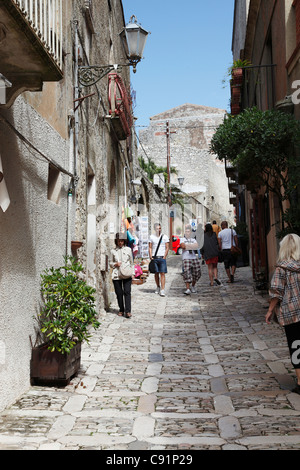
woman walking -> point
(122, 264)
(285, 297)
(210, 252)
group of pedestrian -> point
(217, 246)
(123, 266)
(284, 289)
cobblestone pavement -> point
(199, 372)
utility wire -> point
(182, 127)
(141, 145)
(27, 142)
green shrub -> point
(69, 307)
(264, 148)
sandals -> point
(218, 282)
(126, 315)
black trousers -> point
(123, 292)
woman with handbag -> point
(285, 297)
(122, 264)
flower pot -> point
(237, 76)
(54, 368)
(75, 245)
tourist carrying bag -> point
(235, 250)
(152, 264)
(125, 271)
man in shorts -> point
(160, 258)
(191, 262)
(228, 237)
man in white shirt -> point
(228, 237)
(160, 258)
(191, 262)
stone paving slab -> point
(202, 372)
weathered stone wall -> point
(101, 156)
(191, 129)
(36, 232)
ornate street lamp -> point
(137, 184)
(180, 180)
(133, 38)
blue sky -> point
(186, 56)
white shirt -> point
(162, 247)
(226, 238)
(120, 255)
(186, 253)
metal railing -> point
(45, 17)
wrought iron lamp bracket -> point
(89, 75)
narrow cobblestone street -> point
(184, 373)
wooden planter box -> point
(54, 368)
(137, 281)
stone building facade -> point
(191, 128)
(267, 34)
(65, 165)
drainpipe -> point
(73, 117)
(125, 196)
(76, 96)
(71, 186)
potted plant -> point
(67, 314)
(235, 72)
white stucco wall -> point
(33, 237)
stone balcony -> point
(30, 45)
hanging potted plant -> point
(67, 314)
(235, 72)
